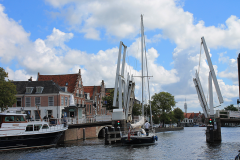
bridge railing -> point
(89, 119)
(102, 118)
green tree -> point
(162, 104)
(231, 108)
(7, 91)
(137, 109)
(178, 114)
(108, 100)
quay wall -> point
(168, 129)
(77, 133)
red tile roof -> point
(189, 115)
(61, 80)
(91, 89)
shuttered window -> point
(28, 101)
(50, 101)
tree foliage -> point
(178, 114)
(7, 91)
(231, 108)
(108, 100)
(162, 104)
(137, 109)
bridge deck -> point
(226, 120)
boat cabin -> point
(12, 118)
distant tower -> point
(185, 106)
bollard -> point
(106, 135)
(114, 135)
(84, 134)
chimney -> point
(79, 72)
(30, 79)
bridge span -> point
(93, 124)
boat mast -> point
(142, 59)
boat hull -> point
(135, 140)
(29, 141)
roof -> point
(92, 90)
(49, 86)
(189, 115)
(61, 80)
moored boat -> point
(17, 133)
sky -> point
(63, 36)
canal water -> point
(189, 143)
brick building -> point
(73, 84)
(94, 95)
(191, 119)
(88, 99)
(46, 96)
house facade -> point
(88, 99)
(191, 119)
(41, 98)
(73, 84)
(94, 95)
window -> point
(66, 99)
(49, 113)
(77, 93)
(90, 108)
(37, 101)
(50, 101)
(45, 126)
(9, 118)
(62, 101)
(79, 84)
(75, 101)
(39, 89)
(28, 102)
(37, 127)
(37, 114)
(19, 119)
(29, 128)
(29, 89)
(28, 116)
(19, 102)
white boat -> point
(136, 135)
(17, 133)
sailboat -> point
(135, 134)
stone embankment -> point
(168, 129)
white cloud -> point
(12, 37)
(19, 75)
(231, 71)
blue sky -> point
(61, 36)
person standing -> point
(147, 126)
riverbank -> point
(168, 129)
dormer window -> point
(39, 89)
(29, 90)
(66, 84)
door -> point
(71, 114)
